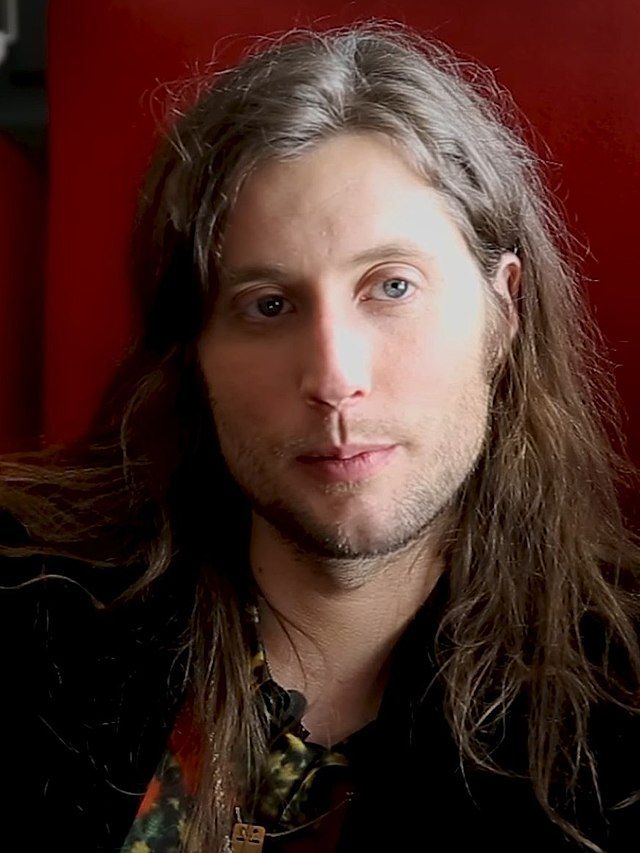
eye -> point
(266, 307)
(394, 289)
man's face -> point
(350, 314)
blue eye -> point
(396, 288)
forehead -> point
(339, 200)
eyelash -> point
(411, 289)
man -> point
(352, 486)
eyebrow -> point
(231, 278)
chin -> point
(350, 536)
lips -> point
(348, 463)
(344, 451)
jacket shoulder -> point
(92, 691)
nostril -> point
(336, 403)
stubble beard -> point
(350, 551)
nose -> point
(336, 364)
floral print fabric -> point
(304, 786)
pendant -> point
(247, 838)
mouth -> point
(344, 451)
(347, 463)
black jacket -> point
(90, 698)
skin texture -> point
(389, 348)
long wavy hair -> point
(538, 542)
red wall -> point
(22, 194)
(572, 65)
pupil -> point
(395, 287)
(270, 306)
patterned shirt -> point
(305, 787)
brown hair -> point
(538, 543)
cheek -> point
(243, 385)
(462, 318)
(438, 355)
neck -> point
(330, 640)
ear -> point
(506, 283)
